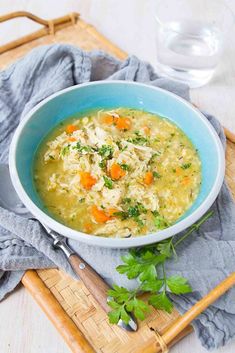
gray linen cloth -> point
(206, 258)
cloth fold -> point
(205, 258)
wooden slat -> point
(46, 300)
(50, 27)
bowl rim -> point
(116, 242)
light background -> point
(129, 24)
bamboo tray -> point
(66, 302)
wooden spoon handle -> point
(93, 282)
(198, 308)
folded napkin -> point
(205, 258)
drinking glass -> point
(191, 35)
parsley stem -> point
(195, 226)
(164, 276)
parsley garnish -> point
(186, 165)
(119, 144)
(132, 211)
(156, 154)
(138, 140)
(106, 151)
(126, 200)
(81, 148)
(102, 164)
(147, 264)
(125, 166)
(159, 221)
(65, 150)
(108, 182)
(156, 175)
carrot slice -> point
(148, 178)
(178, 171)
(116, 172)
(107, 119)
(72, 139)
(186, 180)
(99, 215)
(70, 129)
(87, 180)
(123, 123)
(88, 227)
(146, 130)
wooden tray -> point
(66, 302)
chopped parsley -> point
(102, 164)
(125, 166)
(118, 143)
(133, 211)
(106, 151)
(108, 182)
(159, 221)
(156, 175)
(65, 150)
(156, 154)
(126, 200)
(138, 139)
(186, 165)
(81, 148)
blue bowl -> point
(113, 94)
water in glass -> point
(189, 51)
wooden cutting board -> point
(66, 302)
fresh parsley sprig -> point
(147, 264)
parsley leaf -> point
(139, 307)
(114, 315)
(102, 164)
(149, 274)
(123, 302)
(81, 148)
(165, 247)
(106, 151)
(125, 166)
(65, 150)
(161, 301)
(121, 294)
(126, 200)
(159, 221)
(186, 165)
(140, 265)
(178, 285)
(138, 140)
(108, 182)
(156, 175)
(120, 146)
(152, 286)
(133, 211)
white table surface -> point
(128, 23)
